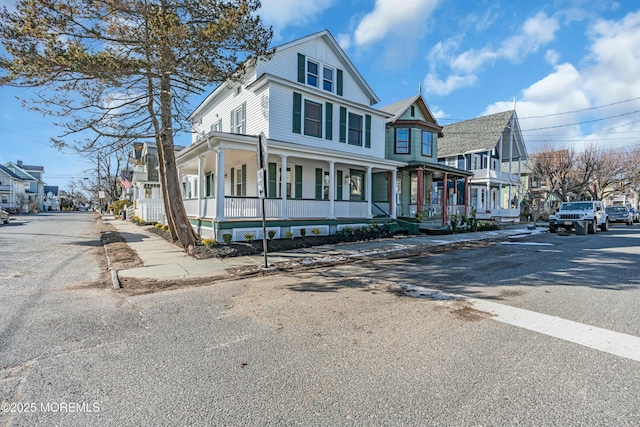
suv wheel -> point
(605, 225)
(592, 227)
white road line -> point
(616, 343)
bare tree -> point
(119, 70)
(609, 173)
(555, 169)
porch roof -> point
(438, 168)
(213, 140)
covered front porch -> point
(303, 184)
(432, 192)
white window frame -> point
(310, 74)
(304, 117)
(330, 81)
(361, 130)
(238, 120)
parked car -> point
(635, 215)
(571, 214)
(620, 214)
(4, 216)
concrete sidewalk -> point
(165, 261)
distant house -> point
(492, 147)
(145, 182)
(326, 147)
(425, 188)
(51, 198)
(12, 191)
(34, 185)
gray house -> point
(492, 147)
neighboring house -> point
(51, 198)
(326, 146)
(412, 136)
(147, 196)
(492, 147)
(12, 190)
(34, 185)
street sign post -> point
(262, 189)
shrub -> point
(316, 231)
(165, 227)
(288, 235)
(271, 234)
(209, 242)
(346, 231)
(157, 225)
(226, 237)
(248, 237)
(487, 226)
(454, 222)
(303, 232)
(118, 205)
(419, 216)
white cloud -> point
(552, 57)
(282, 13)
(436, 86)
(610, 75)
(393, 17)
(537, 31)
(344, 40)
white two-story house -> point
(492, 147)
(12, 191)
(326, 146)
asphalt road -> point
(344, 345)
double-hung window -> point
(238, 119)
(427, 143)
(355, 129)
(402, 141)
(327, 79)
(312, 118)
(312, 73)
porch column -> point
(445, 198)
(466, 195)
(283, 188)
(510, 164)
(499, 172)
(394, 195)
(369, 192)
(199, 189)
(420, 198)
(332, 190)
(220, 183)
(180, 180)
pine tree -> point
(117, 71)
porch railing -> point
(151, 210)
(250, 207)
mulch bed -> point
(233, 249)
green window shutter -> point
(319, 184)
(272, 177)
(244, 118)
(297, 113)
(244, 180)
(367, 131)
(328, 126)
(298, 179)
(233, 179)
(339, 182)
(207, 184)
(339, 82)
(301, 67)
(343, 124)
(231, 121)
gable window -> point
(327, 79)
(312, 118)
(312, 73)
(402, 141)
(427, 143)
(413, 111)
(355, 129)
(217, 126)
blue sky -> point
(571, 66)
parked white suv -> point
(592, 212)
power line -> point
(581, 110)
